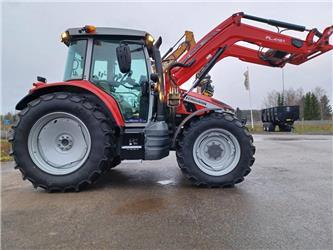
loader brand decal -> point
(275, 39)
(198, 101)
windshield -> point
(125, 88)
(75, 60)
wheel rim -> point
(59, 143)
(216, 152)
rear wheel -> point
(215, 150)
(63, 142)
(271, 127)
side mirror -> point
(124, 58)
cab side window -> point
(125, 88)
(75, 60)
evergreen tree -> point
(280, 100)
(325, 107)
(307, 106)
(315, 107)
(311, 107)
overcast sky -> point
(31, 42)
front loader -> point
(121, 99)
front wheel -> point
(215, 150)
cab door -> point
(130, 90)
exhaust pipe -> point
(159, 69)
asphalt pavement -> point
(285, 202)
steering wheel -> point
(126, 78)
(102, 83)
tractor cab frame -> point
(93, 57)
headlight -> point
(149, 39)
(65, 37)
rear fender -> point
(80, 86)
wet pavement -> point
(285, 202)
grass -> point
(314, 128)
(299, 128)
(5, 149)
(257, 128)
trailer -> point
(281, 116)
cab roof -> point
(103, 31)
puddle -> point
(165, 182)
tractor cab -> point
(92, 56)
(118, 62)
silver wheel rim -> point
(59, 143)
(216, 152)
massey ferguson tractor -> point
(120, 99)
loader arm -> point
(275, 49)
(185, 46)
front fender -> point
(79, 86)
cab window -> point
(75, 60)
(125, 88)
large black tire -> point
(115, 162)
(185, 154)
(101, 130)
(271, 127)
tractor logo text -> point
(279, 40)
(196, 101)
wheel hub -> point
(216, 151)
(65, 142)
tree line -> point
(314, 105)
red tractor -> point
(120, 99)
